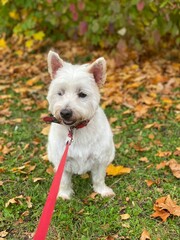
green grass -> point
(84, 218)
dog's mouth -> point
(69, 123)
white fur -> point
(92, 148)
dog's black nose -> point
(66, 114)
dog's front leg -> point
(98, 179)
(65, 190)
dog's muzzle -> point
(66, 115)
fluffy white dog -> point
(74, 99)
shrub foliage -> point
(101, 23)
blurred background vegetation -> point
(105, 23)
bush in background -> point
(101, 23)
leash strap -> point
(48, 209)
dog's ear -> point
(54, 63)
(98, 69)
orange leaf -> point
(164, 207)
(149, 183)
(33, 81)
(50, 170)
(164, 154)
(117, 170)
(145, 235)
(144, 159)
(175, 167)
(161, 165)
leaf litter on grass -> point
(137, 86)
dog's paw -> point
(105, 191)
(65, 194)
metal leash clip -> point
(69, 138)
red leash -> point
(48, 209)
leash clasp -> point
(69, 138)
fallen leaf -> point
(164, 207)
(93, 195)
(85, 176)
(50, 170)
(145, 235)
(3, 234)
(126, 225)
(33, 81)
(139, 148)
(117, 170)
(117, 145)
(144, 159)
(161, 165)
(151, 136)
(38, 179)
(28, 201)
(14, 200)
(125, 216)
(149, 183)
(163, 154)
(45, 130)
(175, 167)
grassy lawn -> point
(25, 180)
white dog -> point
(74, 99)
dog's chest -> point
(80, 160)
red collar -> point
(51, 118)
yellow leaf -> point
(32, 81)
(4, 2)
(45, 130)
(19, 53)
(117, 170)
(2, 43)
(39, 35)
(14, 15)
(3, 234)
(29, 43)
(38, 179)
(125, 216)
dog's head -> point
(74, 90)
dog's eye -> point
(60, 93)
(82, 95)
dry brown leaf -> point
(38, 179)
(149, 182)
(145, 235)
(164, 207)
(163, 154)
(117, 170)
(28, 201)
(50, 170)
(161, 165)
(93, 195)
(175, 167)
(139, 148)
(151, 136)
(14, 200)
(141, 110)
(144, 159)
(117, 145)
